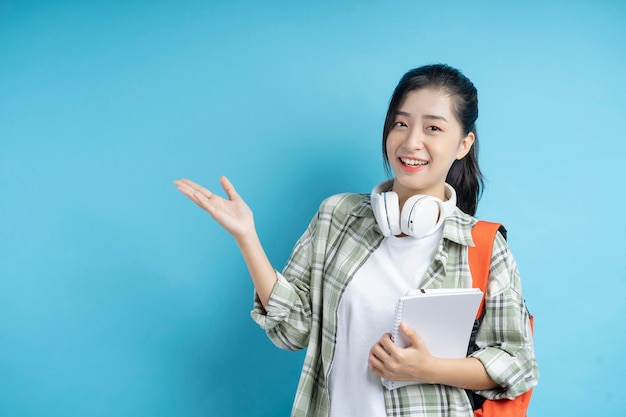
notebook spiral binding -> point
(395, 333)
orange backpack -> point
(479, 256)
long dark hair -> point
(464, 175)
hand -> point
(233, 214)
(394, 363)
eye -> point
(399, 123)
(434, 129)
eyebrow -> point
(426, 116)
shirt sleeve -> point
(287, 319)
(505, 338)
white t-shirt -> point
(366, 313)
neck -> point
(443, 193)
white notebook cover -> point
(442, 317)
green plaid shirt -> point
(302, 310)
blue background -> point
(119, 297)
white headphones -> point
(421, 215)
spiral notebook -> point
(443, 318)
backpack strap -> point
(479, 256)
(479, 260)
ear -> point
(465, 145)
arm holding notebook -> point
(415, 363)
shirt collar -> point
(458, 228)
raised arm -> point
(234, 215)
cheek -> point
(391, 146)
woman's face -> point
(424, 140)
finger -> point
(185, 187)
(380, 352)
(198, 194)
(196, 188)
(229, 188)
(411, 334)
(375, 356)
(406, 329)
(388, 344)
(203, 202)
(376, 365)
(184, 182)
(187, 191)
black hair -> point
(464, 175)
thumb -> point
(229, 188)
(411, 334)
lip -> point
(412, 168)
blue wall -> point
(118, 297)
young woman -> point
(336, 296)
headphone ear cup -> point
(392, 205)
(380, 213)
(386, 208)
(421, 215)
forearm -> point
(467, 373)
(261, 271)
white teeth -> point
(413, 162)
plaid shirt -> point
(302, 310)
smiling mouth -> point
(413, 162)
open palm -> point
(233, 214)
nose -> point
(414, 139)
